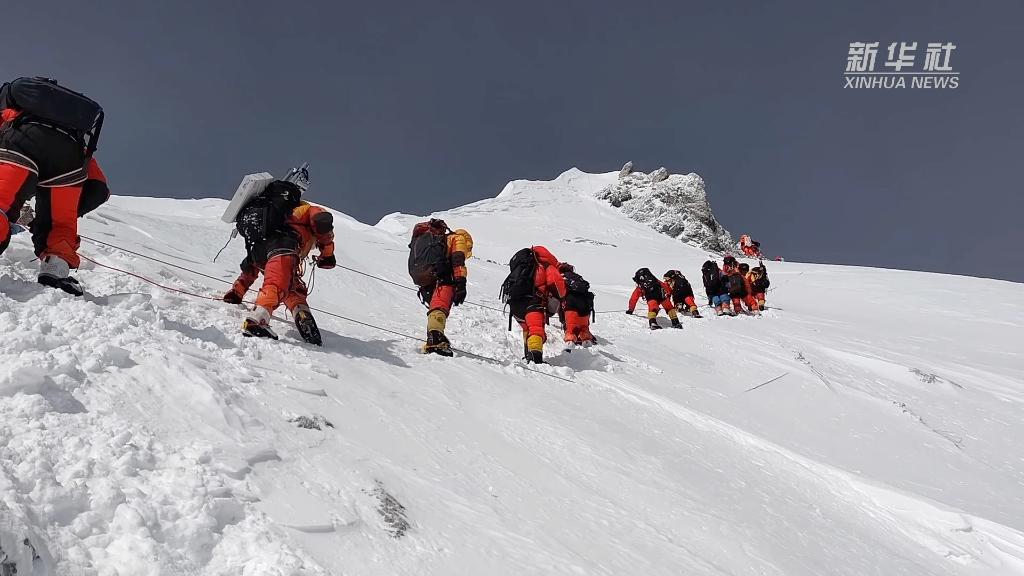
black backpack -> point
(428, 254)
(574, 283)
(681, 288)
(737, 287)
(653, 290)
(711, 274)
(268, 211)
(578, 296)
(45, 100)
(762, 283)
(519, 284)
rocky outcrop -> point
(675, 205)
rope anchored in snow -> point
(766, 383)
(144, 279)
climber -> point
(48, 136)
(656, 293)
(437, 265)
(681, 292)
(577, 308)
(750, 247)
(533, 278)
(715, 287)
(735, 283)
(280, 229)
(759, 284)
(729, 263)
(749, 299)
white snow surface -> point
(141, 434)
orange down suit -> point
(654, 305)
(47, 162)
(753, 298)
(532, 316)
(280, 255)
(441, 297)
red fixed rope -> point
(147, 280)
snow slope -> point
(141, 434)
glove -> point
(326, 262)
(232, 297)
(460, 291)
(630, 312)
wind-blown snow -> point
(141, 434)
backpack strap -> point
(94, 138)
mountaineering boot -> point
(570, 346)
(55, 273)
(306, 325)
(654, 324)
(534, 348)
(437, 343)
(695, 313)
(258, 324)
(676, 323)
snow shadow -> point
(114, 299)
(60, 399)
(580, 360)
(209, 334)
(20, 290)
(32, 381)
(355, 348)
(610, 356)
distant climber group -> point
(50, 133)
(732, 290)
(734, 286)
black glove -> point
(460, 291)
(326, 262)
(630, 312)
(232, 297)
